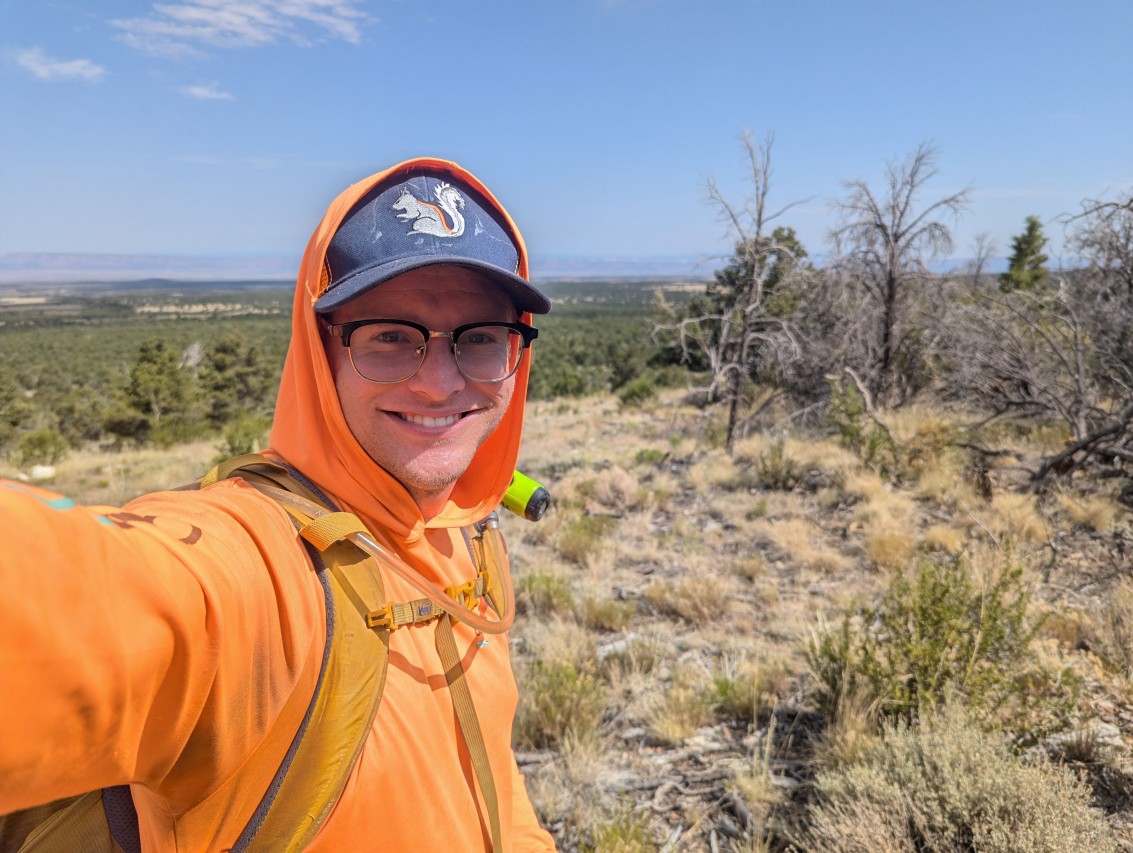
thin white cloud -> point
(179, 29)
(206, 92)
(48, 68)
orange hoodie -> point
(175, 643)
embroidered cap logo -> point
(429, 218)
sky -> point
(223, 128)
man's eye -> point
(385, 337)
(480, 337)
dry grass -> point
(112, 479)
(705, 573)
(676, 714)
(888, 547)
(800, 542)
(667, 599)
(1093, 512)
(1016, 517)
(947, 538)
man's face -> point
(424, 430)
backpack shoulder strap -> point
(101, 821)
(345, 703)
(324, 750)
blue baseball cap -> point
(417, 218)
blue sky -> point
(224, 127)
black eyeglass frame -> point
(346, 330)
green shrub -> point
(737, 696)
(583, 537)
(637, 392)
(649, 456)
(847, 414)
(41, 447)
(945, 785)
(556, 699)
(544, 593)
(775, 469)
(245, 434)
(936, 633)
(626, 831)
(606, 614)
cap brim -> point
(522, 294)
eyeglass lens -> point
(390, 352)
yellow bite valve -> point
(526, 498)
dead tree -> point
(885, 245)
(1103, 238)
(1057, 356)
(735, 324)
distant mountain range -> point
(48, 268)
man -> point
(175, 645)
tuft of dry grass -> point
(715, 471)
(945, 483)
(888, 548)
(1016, 517)
(800, 542)
(851, 729)
(1092, 512)
(742, 689)
(617, 490)
(682, 708)
(1110, 630)
(700, 598)
(946, 538)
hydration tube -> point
(499, 581)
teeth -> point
(432, 422)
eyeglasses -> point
(393, 350)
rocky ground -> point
(719, 566)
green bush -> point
(585, 536)
(544, 593)
(41, 447)
(947, 786)
(649, 456)
(847, 414)
(626, 831)
(246, 434)
(775, 469)
(556, 699)
(937, 633)
(637, 392)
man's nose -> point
(438, 375)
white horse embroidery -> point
(430, 218)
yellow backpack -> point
(341, 713)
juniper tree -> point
(1026, 269)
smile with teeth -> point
(430, 422)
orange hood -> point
(310, 431)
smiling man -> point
(211, 661)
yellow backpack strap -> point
(355, 658)
(469, 725)
(79, 823)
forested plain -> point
(164, 362)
